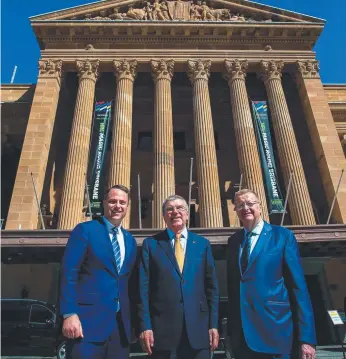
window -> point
(40, 314)
(145, 141)
(179, 141)
(18, 314)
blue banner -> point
(102, 119)
(260, 113)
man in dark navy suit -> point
(95, 290)
(178, 307)
(267, 293)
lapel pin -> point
(193, 241)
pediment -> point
(242, 11)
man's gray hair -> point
(173, 198)
(246, 191)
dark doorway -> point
(322, 324)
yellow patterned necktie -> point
(179, 252)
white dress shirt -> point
(120, 238)
(183, 239)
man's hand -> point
(308, 351)
(147, 341)
(213, 339)
(72, 327)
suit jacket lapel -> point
(127, 245)
(190, 250)
(261, 243)
(240, 238)
(165, 244)
(107, 243)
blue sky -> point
(19, 47)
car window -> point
(15, 314)
(40, 314)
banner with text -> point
(260, 113)
(102, 119)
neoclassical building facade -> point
(166, 65)
(182, 77)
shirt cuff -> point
(68, 315)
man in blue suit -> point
(267, 293)
(95, 290)
(178, 309)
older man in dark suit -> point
(178, 307)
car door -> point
(42, 330)
(14, 328)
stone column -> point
(23, 212)
(248, 156)
(164, 184)
(210, 210)
(299, 199)
(326, 144)
(78, 151)
(120, 167)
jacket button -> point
(181, 300)
(182, 282)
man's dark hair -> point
(118, 186)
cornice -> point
(133, 32)
(8, 87)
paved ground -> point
(325, 352)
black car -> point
(30, 328)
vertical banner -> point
(102, 119)
(260, 114)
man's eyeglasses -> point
(242, 206)
(180, 209)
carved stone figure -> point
(160, 11)
(163, 10)
(117, 15)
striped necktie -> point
(245, 255)
(116, 248)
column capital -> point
(50, 68)
(125, 69)
(308, 69)
(198, 70)
(162, 70)
(236, 69)
(88, 69)
(271, 70)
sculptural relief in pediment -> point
(167, 10)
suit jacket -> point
(90, 284)
(167, 296)
(270, 298)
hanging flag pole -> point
(37, 202)
(139, 201)
(14, 74)
(286, 199)
(88, 197)
(239, 189)
(190, 188)
(334, 199)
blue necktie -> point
(245, 255)
(116, 248)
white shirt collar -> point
(257, 229)
(171, 234)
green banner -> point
(98, 150)
(260, 113)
